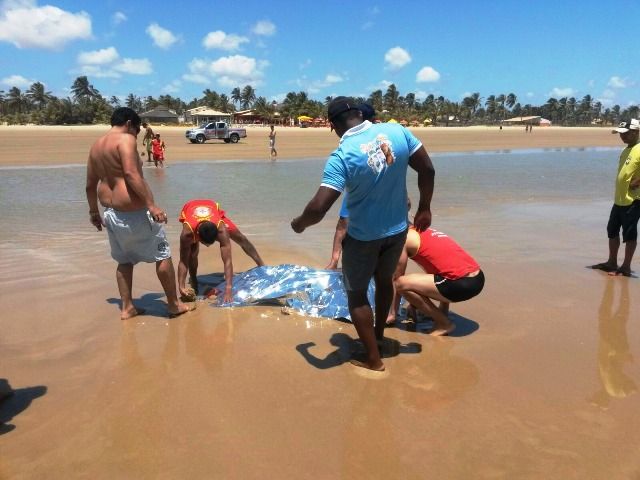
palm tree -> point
(114, 101)
(511, 100)
(133, 102)
(1, 101)
(264, 108)
(391, 99)
(376, 101)
(236, 95)
(247, 97)
(224, 104)
(81, 88)
(38, 96)
(491, 106)
(16, 100)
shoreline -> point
(23, 146)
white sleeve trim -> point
(332, 187)
(415, 149)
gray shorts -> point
(135, 237)
(362, 260)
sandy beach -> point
(538, 381)
(59, 145)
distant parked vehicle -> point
(215, 131)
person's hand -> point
(634, 184)
(228, 295)
(422, 220)
(158, 215)
(295, 225)
(96, 220)
(332, 265)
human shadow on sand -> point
(348, 348)
(16, 402)
(152, 304)
(464, 326)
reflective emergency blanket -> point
(312, 292)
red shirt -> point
(197, 211)
(440, 254)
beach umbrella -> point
(305, 118)
(393, 120)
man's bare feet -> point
(605, 267)
(182, 309)
(621, 271)
(132, 312)
(440, 330)
(376, 368)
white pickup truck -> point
(215, 131)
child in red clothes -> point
(450, 275)
(158, 147)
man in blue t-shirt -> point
(370, 164)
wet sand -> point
(61, 145)
(539, 380)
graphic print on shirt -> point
(379, 153)
(202, 213)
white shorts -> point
(135, 237)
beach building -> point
(160, 114)
(200, 115)
(530, 120)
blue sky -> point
(535, 49)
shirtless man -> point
(148, 139)
(132, 219)
(203, 221)
(272, 143)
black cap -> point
(368, 112)
(340, 105)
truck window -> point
(221, 125)
(210, 126)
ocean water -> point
(479, 197)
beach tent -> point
(305, 118)
(393, 120)
(544, 122)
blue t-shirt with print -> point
(370, 166)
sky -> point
(534, 49)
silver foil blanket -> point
(312, 292)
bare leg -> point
(124, 277)
(247, 246)
(625, 268)
(167, 276)
(419, 289)
(362, 318)
(612, 263)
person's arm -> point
(225, 253)
(132, 172)
(341, 231)
(401, 268)
(316, 209)
(186, 245)
(421, 163)
(92, 197)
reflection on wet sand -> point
(613, 345)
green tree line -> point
(87, 105)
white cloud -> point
(118, 18)
(608, 93)
(327, 81)
(161, 37)
(134, 66)
(106, 63)
(264, 28)
(427, 74)
(98, 57)
(26, 25)
(232, 71)
(617, 82)
(17, 81)
(223, 41)
(396, 58)
(382, 85)
(562, 92)
(530, 94)
(173, 87)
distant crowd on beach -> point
(374, 235)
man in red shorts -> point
(203, 221)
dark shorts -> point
(461, 289)
(362, 260)
(626, 218)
